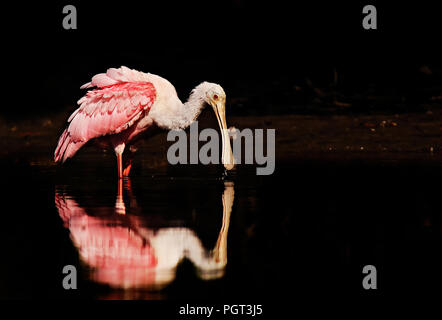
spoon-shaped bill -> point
(227, 155)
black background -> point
(254, 49)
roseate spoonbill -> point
(124, 252)
(127, 102)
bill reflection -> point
(121, 251)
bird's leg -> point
(119, 149)
(120, 165)
(129, 158)
(127, 168)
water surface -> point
(195, 233)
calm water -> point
(194, 233)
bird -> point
(123, 103)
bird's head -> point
(214, 95)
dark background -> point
(270, 57)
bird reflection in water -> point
(121, 251)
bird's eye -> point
(215, 97)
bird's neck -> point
(191, 109)
(175, 115)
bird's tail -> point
(66, 147)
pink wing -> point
(123, 95)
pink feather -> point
(123, 95)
